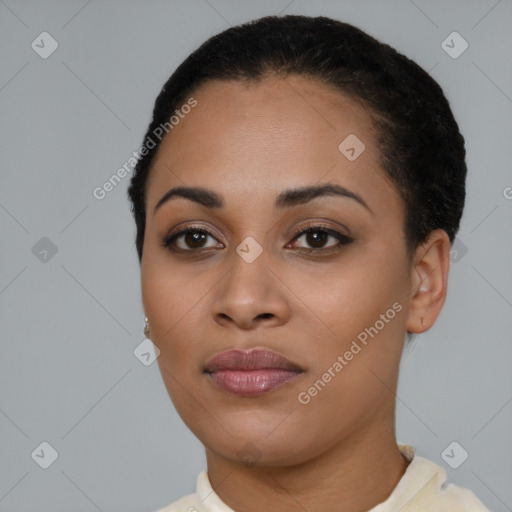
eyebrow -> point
(286, 199)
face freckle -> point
(248, 144)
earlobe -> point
(429, 281)
(146, 327)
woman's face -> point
(251, 282)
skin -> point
(248, 143)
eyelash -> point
(312, 228)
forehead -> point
(256, 139)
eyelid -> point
(320, 225)
(312, 226)
(176, 233)
(184, 227)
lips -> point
(250, 372)
(254, 359)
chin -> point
(259, 452)
(259, 445)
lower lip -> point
(252, 382)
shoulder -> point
(203, 499)
(186, 503)
(424, 487)
(448, 496)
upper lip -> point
(252, 359)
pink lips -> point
(250, 372)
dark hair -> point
(419, 141)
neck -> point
(354, 476)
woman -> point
(297, 193)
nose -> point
(251, 295)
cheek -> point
(361, 314)
(166, 297)
(354, 367)
(171, 303)
(349, 297)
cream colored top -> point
(422, 488)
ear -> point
(429, 281)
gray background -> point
(70, 323)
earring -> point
(422, 321)
(146, 327)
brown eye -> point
(316, 236)
(316, 239)
(191, 239)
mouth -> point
(252, 372)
